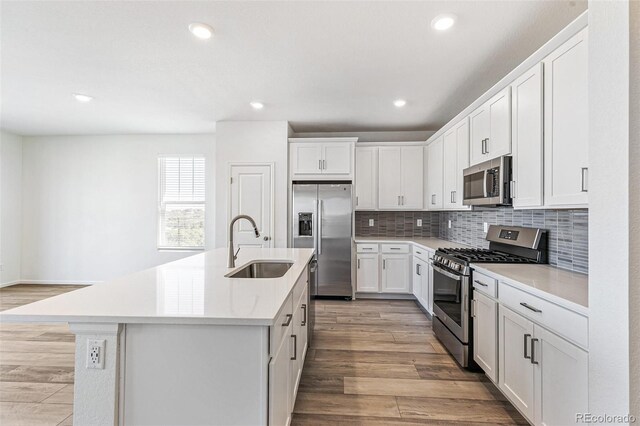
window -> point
(181, 203)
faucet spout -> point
(231, 263)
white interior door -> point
(252, 194)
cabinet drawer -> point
(278, 329)
(367, 248)
(564, 322)
(298, 289)
(485, 284)
(421, 253)
(395, 248)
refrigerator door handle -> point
(319, 233)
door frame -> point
(272, 167)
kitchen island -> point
(183, 343)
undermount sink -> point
(262, 269)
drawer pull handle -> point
(304, 318)
(288, 320)
(481, 283)
(295, 347)
(526, 305)
(526, 336)
(419, 252)
(394, 248)
(533, 351)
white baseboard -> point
(53, 282)
(8, 283)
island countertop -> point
(193, 290)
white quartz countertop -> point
(428, 243)
(567, 288)
(192, 290)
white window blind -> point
(181, 202)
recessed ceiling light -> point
(256, 105)
(399, 103)
(82, 98)
(200, 30)
(443, 22)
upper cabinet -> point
(566, 123)
(366, 181)
(455, 160)
(321, 158)
(400, 177)
(491, 128)
(527, 139)
(435, 174)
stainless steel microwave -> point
(488, 183)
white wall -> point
(90, 204)
(610, 212)
(251, 141)
(10, 207)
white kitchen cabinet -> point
(395, 273)
(317, 158)
(490, 128)
(367, 272)
(400, 177)
(366, 178)
(430, 284)
(420, 282)
(280, 407)
(541, 373)
(515, 370)
(561, 379)
(485, 334)
(566, 124)
(298, 339)
(527, 139)
(455, 160)
(434, 174)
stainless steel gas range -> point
(452, 277)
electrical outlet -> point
(485, 227)
(419, 223)
(95, 354)
(370, 222)
(449, 224)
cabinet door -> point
(515, 368)
(423, 272)
(412, 171)
(429, 286)
(416, 279)
(434, 174)
(389, 178)
(561, 379)
(366, 181)
(306, 158)
(296, 354)
(367, 273)
(395, 273)
(279, 395)
(527, 139)
(566, 123)
(499, 142)
(485, 334)
(304, 328)
(479, 131)
(462, 142)
(450, 165)
(336, 158)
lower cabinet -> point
(542, 374)
(420, 282)
(287, 361)
(485, 334)
(395, 273)
(367, 274)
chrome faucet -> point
(233, 256)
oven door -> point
(451, 301)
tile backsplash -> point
(568, 229)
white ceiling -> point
(324, 66)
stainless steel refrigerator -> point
(322, 221)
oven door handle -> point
(447, 274)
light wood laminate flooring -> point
(372, 362)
